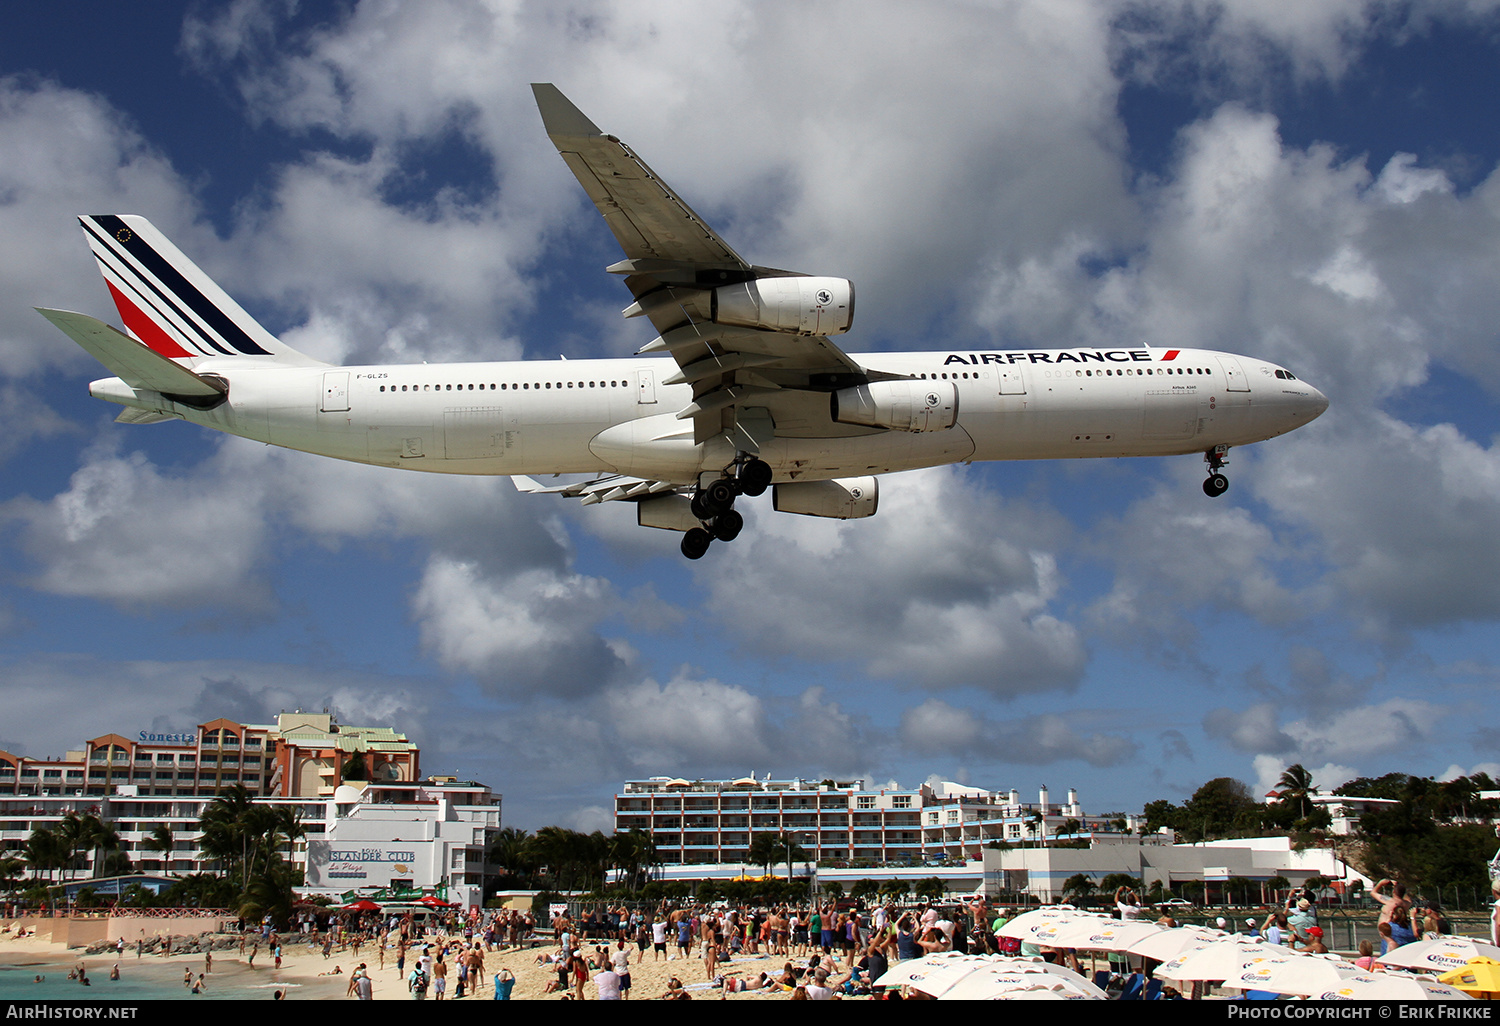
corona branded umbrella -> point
(1440, 954)
(949, 975)
(1026, 981)
(1480, 978)
(1383, 986)
(1102, 935)
(915, 971)
(1217, 961)
(1167, 945)
(1293, 973)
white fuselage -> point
(600, 416)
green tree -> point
(1296, 786)
(46, 852)
(1222, 807)
(1079, 885)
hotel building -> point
(168, 779)
(713, 821)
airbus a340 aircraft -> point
(750, 392)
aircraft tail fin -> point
(167, 302)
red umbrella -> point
(434, 902)
(362, 905)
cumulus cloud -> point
(1326, 778)
(68, 152)
(1350, 736)
(127, 532)
(533, 629)
(939, 588)
(936, 728)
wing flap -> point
(609, 488)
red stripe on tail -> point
(144, 328)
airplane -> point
(742, 390)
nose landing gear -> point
(713, 504)
(1217, 484)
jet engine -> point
(803, 306)
(898, 405)
(845, 498)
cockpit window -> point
(1288, 375)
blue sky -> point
(1311, 184)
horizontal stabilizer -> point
(134, 363)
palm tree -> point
(509, 851)
(633, 852)
(161, 841)
(45, 850)
(1296, 784)
(1079, 885)
(227, 828)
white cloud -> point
(1326, 778)
(67, 153)
(925, 592)
(533, 629)
(936, 728)
(1396, 726)
(127, 532)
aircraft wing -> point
(609, 488)
(673, 263)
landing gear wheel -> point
(755, 477)
(1216, 485)
(696, 542)
(727, 525)
(720, 494)
(700, 508)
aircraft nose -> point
(1315, 403)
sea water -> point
(139, 981)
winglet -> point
(560, 117)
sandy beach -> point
(302, 973)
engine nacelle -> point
(898, 405)
(845, 498)
(803, 306)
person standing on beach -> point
(1495, 913)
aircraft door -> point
(1011, 381)
(335, 392)
(1234, 375)
(645, 387)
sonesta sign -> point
(148, 738)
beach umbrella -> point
(1481, 977)
(1383, 986)
(951, 976)
(1021, 926)
(914, 971)
(1102, 934)
(1168, 944)
(362, 905)
(1216, 961)
(1002, 983)
(1440, 954)
(1293, 973)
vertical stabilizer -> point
(167, 302)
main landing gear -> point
(713, 504)
(1217, 484)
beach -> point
(302, 975)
